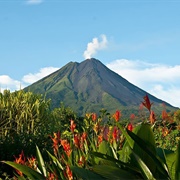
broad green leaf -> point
(29, 172)
(40, 161)
(105, 148)
(85, 173)
(157, 162)
(177, 163)
(115, 161)
(144, 169)
(170, 160)
(169, 157)
(144, 131)
(111, 172)
(164, 153)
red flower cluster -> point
(165, 131)
(79, 140)
(147, 102)
(66, 146)
(20, 160)
(72, 126)
(94, 116)
(130, 127)
(68, 173)
(56, 142)
(152, 117)
(32, 162)
(115, 134)
(117, 115)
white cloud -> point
(33, 2)
(160, 80)
(94, 46)
(170, 94)
(31, 78)
(8, 83)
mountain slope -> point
(90, 86)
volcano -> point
(90, 86)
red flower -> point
(84, 136)
(72, 126)
(130, 127)
(83, 139)
(115, 134)
(51, 176)
(77, 140)
(100, 139)
(117, 115)
(32, 162)
(152, 117)
(20, 160)
(94, 116)
(132, 116)
(66, 146)
(68, 173)
(167, 117)
(56, 141)
(164, 115)
(165, 131)
(147, 102)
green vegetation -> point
(37, 142)
(25, 120)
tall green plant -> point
(25, 119)
(22, 112)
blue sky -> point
(140, 40)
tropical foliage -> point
(26, 119)
(102, 146)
